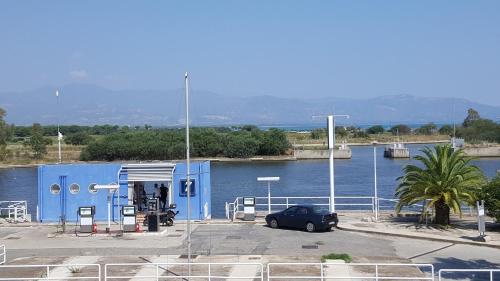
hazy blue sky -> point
(281, 48)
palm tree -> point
(445, 180)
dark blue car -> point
(310, 218)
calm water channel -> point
(298, 178)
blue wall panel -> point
(52, 206)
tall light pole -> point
(269, 180)
(331, 147)
(59, 135)
(188, 180)
(375, 179)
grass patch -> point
(333, 256)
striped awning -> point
(148, 172)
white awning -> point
(156, 172)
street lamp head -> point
(268, 178)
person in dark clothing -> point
(163, 196)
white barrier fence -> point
(3, 254)
(51, 272)
(180, 271)
(342, 204)
(471, 274)
(349, 271)
(15, 211)
(242, 271)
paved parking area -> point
(243, 240)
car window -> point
(322, 210)
(290, 211)
(302, 211)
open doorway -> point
(141, 191)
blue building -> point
(63, 188)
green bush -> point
(375, 130)
(80, 138)
(333, 256)
(244, 142)
(491, 196)
(400, 129)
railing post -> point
(322, 274)
(209, 272)
(48, 272)
(15, 213)
(376, 272)
(268, 273)
(227, 211)
(287, 202)
(158, 272)
(491, 275)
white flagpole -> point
(58, 131)
(188, 180)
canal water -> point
(353, 177)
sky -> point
(296, 49)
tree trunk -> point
(442, 212)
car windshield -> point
(322, 210)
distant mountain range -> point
(90, 105)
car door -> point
(301, 217)
(288, 217)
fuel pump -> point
(249, 208)
(153, 216)
(129, 218)
(86, 215)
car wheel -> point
(310, 227)
(328, 229)
(273, 223)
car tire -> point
(273, 223)
(310, 227)
(328, 229)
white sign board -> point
(268, 178)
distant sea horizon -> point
(310, 127)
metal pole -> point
(58, 131)
(331, 124)
(375, 179)
(109, 212)
(269, 197)
(188, 180)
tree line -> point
(473, 129)
(242, 142)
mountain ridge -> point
(87, 104)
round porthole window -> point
(92, 188)
(55, 188)
(74, 188)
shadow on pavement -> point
(454, 263)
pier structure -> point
(396, 150)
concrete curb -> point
(455, 241)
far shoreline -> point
(224, 159)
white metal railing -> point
(342, 203)
(15, 211)
(277, 203)
(206, 271)
(370, 271)
(3, 254)
(51, 272)
(488, 273)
